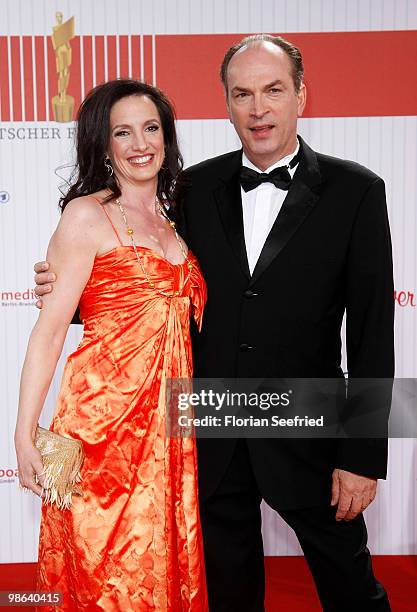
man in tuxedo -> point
(282, 261)
(288, 240)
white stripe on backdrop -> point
(213, 17)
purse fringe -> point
(62, 459)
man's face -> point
(263, 104)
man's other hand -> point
(43, 280)
(352, 493)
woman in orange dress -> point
(132, 541)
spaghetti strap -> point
(110, 221)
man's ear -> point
(226, 97)
(302, 99)
(228, 111)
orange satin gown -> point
(133, 541)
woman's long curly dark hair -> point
(93, 135)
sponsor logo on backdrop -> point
(18, 298)
(8, 475)
(62, 33)
(45, 78)
(4, 197)
(405, 299)
(36, 133)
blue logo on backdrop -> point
(4, 197)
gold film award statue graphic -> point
(63, 104)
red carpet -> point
(289, 585)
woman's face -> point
(136, 145)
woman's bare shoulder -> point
(84, 209)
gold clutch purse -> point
(62, 459)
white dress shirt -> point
(261, 207)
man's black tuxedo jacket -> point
(329, 250)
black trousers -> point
(336, 552)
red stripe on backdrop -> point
(147, 57)
(52, 76)
(355, 74)
(191, 76)
(111, 58)
(16, 78)
(99, 42)
(40, 77)
(88, 63)
(347, 73)
(4, 80)
(28, 75)
(135, 44)
(124, 56)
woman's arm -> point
(71, 251)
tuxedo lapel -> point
(301, 198)
(229, 204)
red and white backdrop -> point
(360, 62)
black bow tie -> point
(280, 177)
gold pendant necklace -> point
(130, 232)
